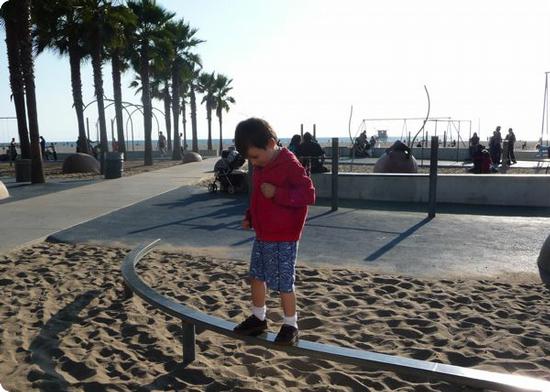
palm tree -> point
(7, 13)
(181, 38)
(151, 19)
(119, 22)
(94, 15)
(161, 73)
(193, 65)
(58, 26)
(223, 86)
(207, 85)
(184, 94)
(23, 12)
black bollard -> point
(335, 158)
(433, 177)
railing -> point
(365, 359)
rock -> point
(396, 161)
(544, 256)
(80, 163)
(4, 194)
(191, 157)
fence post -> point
(188, 342)
(334, 175)
(433, 177)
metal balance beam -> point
(365, 359)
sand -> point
(65, 324)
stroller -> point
(228, 175)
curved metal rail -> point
(366, 359)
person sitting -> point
(311, 154)
(294, 144)
(482, 161)
(361, 146)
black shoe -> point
(287, 336)
(252, 326)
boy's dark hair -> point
(308, 137)
(253, 132)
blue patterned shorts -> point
(274, 263)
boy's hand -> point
(245, 224)
(268, 190)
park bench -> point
(365, 359)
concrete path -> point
(402, 242)
(34, 218)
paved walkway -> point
(34, 218)
(157, 204)
(390, 241)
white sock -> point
(292, 321)
(259, 312)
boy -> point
(281, 192)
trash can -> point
(22, 170)
(114, 165)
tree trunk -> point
(195, 143)
(167, 120)
(221, 133)
(16, 82)
(76, 83)
(117, 92)
(176, 154)
(24, 9)
(98, 85)
(146, 101)
(184, 116)
(209, 119)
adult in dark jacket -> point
(311, 152)
(511, 138)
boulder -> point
(191, 157)
(544, 256)
(4, 194)
(80, 163)
(397, 159)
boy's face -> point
(261, 156)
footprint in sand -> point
(385, 313)
(310, 273)
(389, 289)
(421, 354)
(407, 333)
(309, 323)
(462, 360)
(5, 282)
(462, 299)
(350, 303)
(209, 300)
(76, 369)
(388, 281)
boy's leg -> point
(288, 301)
(258, 292)
(257, 323)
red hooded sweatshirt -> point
(282, 218)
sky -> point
(308, 61)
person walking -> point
(43, 148)
(12, 151)
(511, 138)
(162, 144)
